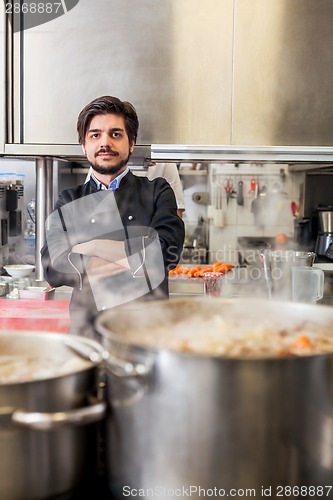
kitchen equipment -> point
(200, 197)
(195, 245)
(212, 284)
(277, 267)
(215, 210)
(198, 420)
(324, 240)
(250, 246)
(257, 205)
(303, 234)
(253, 187)
(218, 219)
(294, 208)
(19, 270)
(240, 195)
(307, 284)
(49, 396)
(228, 186)
(37, 293)
(16, 285)
(4, 285)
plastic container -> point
(16, 285)
(20, 179)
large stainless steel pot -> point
(180, 420)
(47, 444)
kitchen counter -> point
(242, 282)
(186, 286)
(239, 282)
(34, 315)
(53, 315)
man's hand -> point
(100, 268)
(108, 250)
(107, 257)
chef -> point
(114, 238)
(169, 172)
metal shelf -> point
(230, 153)
(185, 171)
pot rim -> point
(61, 338)
(298, 311)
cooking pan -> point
(50, 400)
(183, 419)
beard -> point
(110, 170)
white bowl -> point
(19, 270)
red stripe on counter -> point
(34, 315)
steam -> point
(241, 328)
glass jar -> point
(17, 284)
(212, 284)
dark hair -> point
(104, 105)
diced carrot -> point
(208, 269)
(302, 342)
(198, 271)
(184, 347)
(221, 269)
(224, 268)
(218, 263)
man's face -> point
(106, 144)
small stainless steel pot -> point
(47, 436)
(181, 420)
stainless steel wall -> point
(2, 78)
(283, 72)
(242, 72)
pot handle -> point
(84, 349)
(122, 368)
(116, 366)
(52, 421)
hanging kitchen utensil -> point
(257, 205)
(294, 208)
(240, 196)
(228, 186)
(213, 193)
(218, 212)
(253, 187)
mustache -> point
(106, 150)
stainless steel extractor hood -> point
(253, 84)
(276, 154)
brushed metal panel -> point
(202, 63)
(242, 154)
(283, 85)
(171, 59)
(2, 77)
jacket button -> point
(93, 221)
(130, 217)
